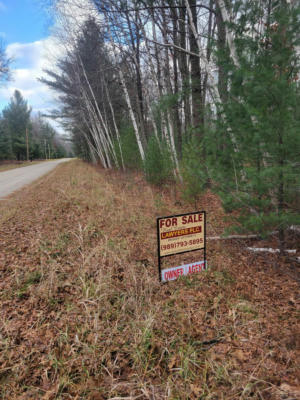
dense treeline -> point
(204, 92)
(26, 137)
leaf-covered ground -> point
(84, 317)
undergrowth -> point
(83, 315)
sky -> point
(25, 33)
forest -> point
(204, 94)
(26, 137)
(173, 108)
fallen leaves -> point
(83, 314)
(290, 390)
(240, 355)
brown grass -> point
(84, 317)
(6, 166)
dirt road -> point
(17, 178)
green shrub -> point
(158, 163)
(193, 170)
(130, 150)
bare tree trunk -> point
(168, 89)
(195, 46)
(221, 46)
(115, 124)
(210, 35)
(132, 116)
(135, 44)
(176, 110)
(229, 36)
(127, 98)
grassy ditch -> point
(84, 317)
(6, 166)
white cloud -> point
(34, 58)
(26, 53)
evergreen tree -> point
(158, 165)
(258, 137)
(193, 170)
(17, 116)
(5, 143)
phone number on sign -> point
(181, 244)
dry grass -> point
(17, 164)
(84, 317)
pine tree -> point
(16, 116)
(5, 142)
(257, 136)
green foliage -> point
(16, 117)
(193, 169)
(43, 142)
(131, 155)
(35, 151)
(158, 165)
(167, 101)
(256, 146)
(80, 146)
(5, 143)
(59, 151)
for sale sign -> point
(170, 274)
(178, 234)
(181, 233)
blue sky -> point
(23, 21)
(25, 29)
(25, 32)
